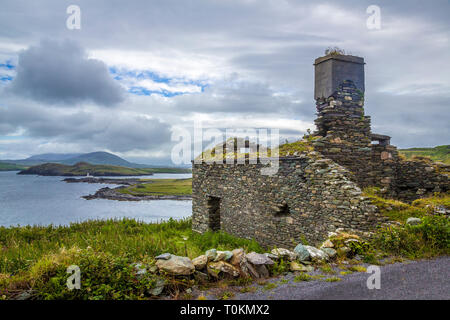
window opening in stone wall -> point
(283, 210)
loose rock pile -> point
(215, 264)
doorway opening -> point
(214, 213)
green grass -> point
(439, 153)
(400, 211)
(333, 279)
(302, 277)
(160, 187)
(301, 146)
(327, 269)
(37, 257)
(10, 167)
(428, 239)
(270, 286)
(357, 269)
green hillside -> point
(10, 167)
(439, 153)
(83, 168)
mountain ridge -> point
(95, 158)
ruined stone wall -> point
(307, 198)
(418, 179)
(345, 137)
(344, 131)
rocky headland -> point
(115, 194)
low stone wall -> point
(308, 197)
(418, 179)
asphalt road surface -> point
(426, 279)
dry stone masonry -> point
(318, 191)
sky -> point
(138, 71)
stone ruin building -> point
(316, 192)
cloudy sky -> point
(137, 71)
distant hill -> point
(82, 169)
(439, 153)
(73, 158)
(49, 157)
(101, 158)
(10, 167)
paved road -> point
(427, 279)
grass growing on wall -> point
(439, 153)
(428, 239)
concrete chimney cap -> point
(341, 57)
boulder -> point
(215, 268)
(236, 259)
(261, 270)
(302, 252)
(327, 244)
(223, 256)
(140, 270)
(316, 254)
(258, 259)
(284, 253)
(413, 221)
(271, 256)
(201, 277)
(330, 252)
(295, 266)
(176, 265)
(350, 240)
(211, 254)
(344, 251)
(200, 262)
(159, 287)
(164, 256)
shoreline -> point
(125, 181)
(113, 194)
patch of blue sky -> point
(5, 78)
(124, 75)
(7, 65)
(141, 91)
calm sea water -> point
(37, 200)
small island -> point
(83, 169)
(144, 189)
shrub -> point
(430, 238)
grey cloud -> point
(271, 45)
(55, 72)
(134, 133)
(117, 131)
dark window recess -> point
(214, 213)
(283, 210)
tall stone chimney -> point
(331, 70)
(341, 123)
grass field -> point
(10, 167)
(36, 258)
(439, 153)
(160, 187)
